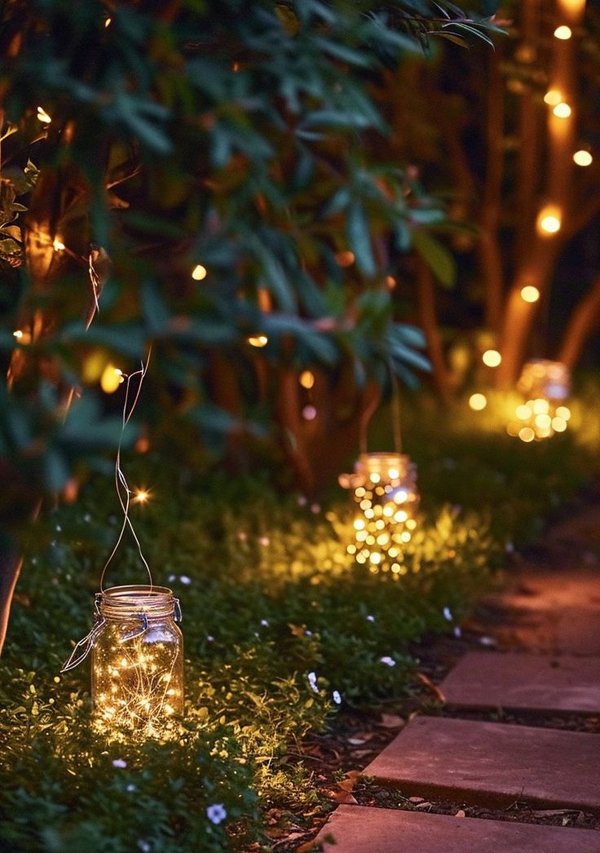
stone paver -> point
(493, 764)
(483, 680)
(357, 829)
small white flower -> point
(87, 517)
(131, 787)
(312, 680)
(172, 578)
(457, 632)
(144, 845)
(264, 623)
(34, 561)
(487, 641)
(337, 698)
(210, 638)
(185, 580)
(264, 540)
(447, 614)
(308, 633)
(388, 661)
(58, 528)
(119, 762)
(370, 618)
(216, 813)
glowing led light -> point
(258, 341)
(563, 412)
(141, 496)
(552, 97)
(526, 434)
(199, 272)
(375, 477)
(562, 110)
(394, 473)
(111, 378)
(359, 524)
(491, 358)
(477, 402)
(375, 557)
(43, 116)
(529, 293)
(563, 33)
(58, 245)
(107, 22)
(583, 158)
(18, 334)
(307, 379)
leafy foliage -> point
(269, 596)
(234, 136)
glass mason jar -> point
(385, 488)
(545, 386)
(137, 661)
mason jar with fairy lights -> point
(545, 386)
(384, 487)
(137, 661)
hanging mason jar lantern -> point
(137, 661)
(545, 386)
(384, 485)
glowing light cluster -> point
(137, 664)
(563, 33)
(562, 110)
(549, 220)
(545, 386)
(384, 485)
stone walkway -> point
(548, 633)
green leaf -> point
(360, 238)
(439, 260)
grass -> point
(269, 596)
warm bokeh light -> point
(58, 245)
(529, 293)
(258, 341)
(307, 379)
(107, 22)
(309, 413)
(18, 334)
(141, 496)
(563, 33)
(526, 434)
(583, 158)
(391, 282)
(345, 258)
(563, 412)
(562, 110)
(491, 358)
(523, 412)
(552, 97)
(43, 116)
(111, 378)
(199, 272)
(477, 402)
(559, 424)
(549, 220)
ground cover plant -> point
(281, 630)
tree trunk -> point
(10, 568)
(429, 324)
(583, 322)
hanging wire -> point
(121, 485)
(396, 414)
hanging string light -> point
(135, 642)
(384, 488)
(545, 386)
